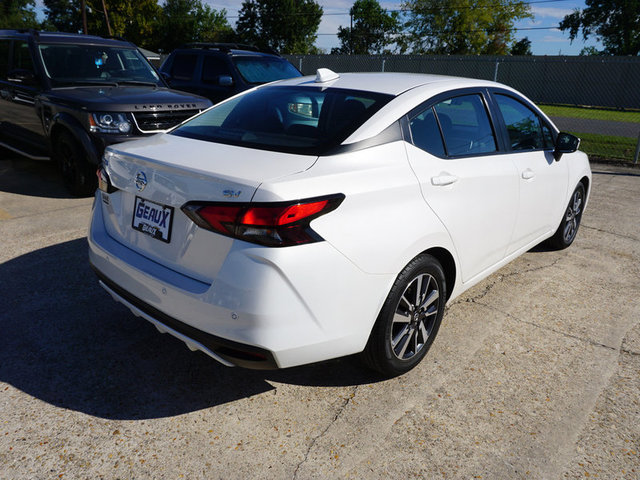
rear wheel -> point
(409, 319)
(568, 228)
(78, 175)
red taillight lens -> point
(270, 224)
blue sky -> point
(547, 13)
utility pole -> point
(106, 17)
(83, 7)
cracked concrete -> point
(535, 372)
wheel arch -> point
(66, 123)
(446, 260)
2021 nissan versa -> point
(320, 217)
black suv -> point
(68, 96)
(220, 70)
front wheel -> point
(409, 319)
(568, 228)
(77, 173)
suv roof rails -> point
(32, 31)
(227, 47)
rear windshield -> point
(305, 120)
(257, 70)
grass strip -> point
(607, 146)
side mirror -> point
(565, 143)
(24, 77)
(225, 81)
(166, 76)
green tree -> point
(462, 26)
(62, 16)
(590, 52)
(521, 47)
(135, 20)
(18, 14)
(371, 30)
(185, 21)
(615, 22)
(287, 26)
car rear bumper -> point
(265, 309)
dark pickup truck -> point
(66, 97)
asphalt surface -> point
(535, 372)
(599, 127)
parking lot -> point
(535, 372)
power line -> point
(459, 7)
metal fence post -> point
(300, 67)
(495, 73)
(635, 157)
(384, 60)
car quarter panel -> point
(382, 205)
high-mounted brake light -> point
(270, 224)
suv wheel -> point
(77, 173)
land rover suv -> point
(66, 97)
(220, 70)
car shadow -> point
(66, 342)
(30, 177)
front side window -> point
(307, 120)
(525, 128)
(183, 66)
(213, 68)
(68, 64)
(465, 125)
(4, 58)
(258, 70)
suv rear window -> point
(259, 70)
(286, 119)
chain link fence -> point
(597, 98)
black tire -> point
(395, 346)
(77, 173)
(568, 228)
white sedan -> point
(324, 216)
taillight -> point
(279, 224)
(104, 182)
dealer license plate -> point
(153, 219)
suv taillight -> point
(279, 224)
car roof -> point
(60, 37)
(389, 83)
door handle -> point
(528, 174)
(443, 179)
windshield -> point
(305, 120)
(69, 65)
(259, 70)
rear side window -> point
(4, 58)
(213, 68)
(425, 133)
(525, 128)
(465, 125)
(306, 120)
(183, 66)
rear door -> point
(464, 177)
